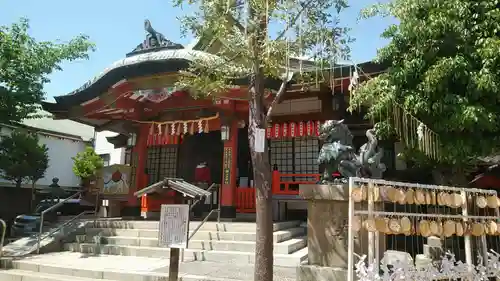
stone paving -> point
(231, 271)
(124, 264)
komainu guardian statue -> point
(339, 154)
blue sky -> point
(117, 27)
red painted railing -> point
(288, 184)
(282, 184)
(245, 200)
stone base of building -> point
(131, 211)
(320, 273)
(228, 212)
(151, 215)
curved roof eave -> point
(151, 63)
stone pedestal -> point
(110, 209)
(114, 209)
(327, 232)
(279, 211)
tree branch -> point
(230, 18)
(276, 100)
(294, 20)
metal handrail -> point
(206, 217)
(197, 201)
(201, 224)
(2, 238)
(48, 210)
(40, 238)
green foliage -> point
(22, 158)
(86, 163)
(25, 65)
(444, 70)
(246, 30)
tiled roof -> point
(62, 126)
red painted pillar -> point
(229, 167)
(141, 152)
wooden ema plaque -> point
(113, 182)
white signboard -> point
(174, 226)
(260, 140)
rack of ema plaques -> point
(407, 231)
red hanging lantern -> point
(317, 127)
(269, 132)
(293, 129)
(285, 130)
(310, 128)
(276, 131)
(301, 129)
(163, 139)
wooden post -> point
(467, 238)
(350, 235)
(173, 268)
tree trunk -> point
(262, 180)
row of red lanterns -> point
(276, 131)
(293, 129)
(157, 140)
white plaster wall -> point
(61, 150)
(102, 146)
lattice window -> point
(281, 155)
(295, 156)
(162, 162)
(168, 162)
(306, 155)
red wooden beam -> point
(112, 99)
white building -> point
(64, 139)
(107, 150)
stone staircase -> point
(228, 242)
(128, 250)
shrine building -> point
(167, 133)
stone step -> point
(232, 257)
(284, 247)
(214, 226)
(24, 275)
(278, 236)
(103, 267)
(70, 273)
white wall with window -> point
(61, 149)
(107, 151)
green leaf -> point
(444, 70)
(22, 158)
(25, 66)
(86, 163)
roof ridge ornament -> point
(154, 41)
